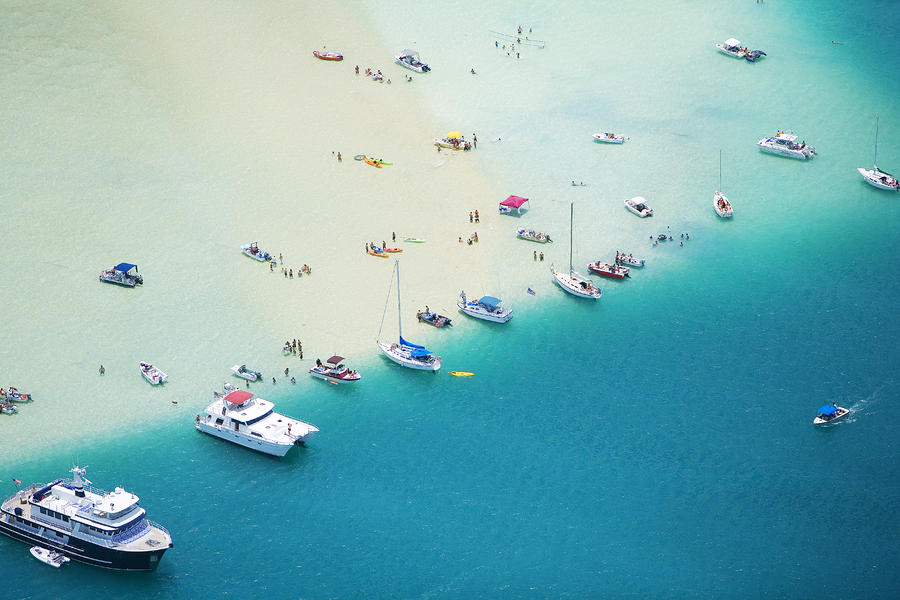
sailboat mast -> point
(720, 170)
(875, 158)
(571, 213)
(399, 320)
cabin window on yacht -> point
(256, 433)
(236, 426)
(219, 421)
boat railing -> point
(158, 526)
(132, 533)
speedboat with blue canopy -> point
(406, 353)
(122, 274)
(486, 307)
(829, 413)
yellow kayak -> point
(461, 373)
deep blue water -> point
(657, 443)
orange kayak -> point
(373, 162)
(393, 249)
(379, 254)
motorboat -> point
(72, 518)
(609, 270)
(571, 281)
(784, 143)
(252, 250)
(829, 413)
(125, 274)
(14, 395)
(241, 418)
(153, 374)
(432, 318)
(875, 176)
(454, 140)
(487, 308)
(334, 371)
(533, 236)
(8, 408)
(49, 557)
(732, 47)
(406, 354)
(754, 55)
(244, 373)
(410, 59)
(627, 259)
(328, 55)
(609, 138)
(722, 205)
(638, 206)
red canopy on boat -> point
(514, 201)
(335, 360)
(238, 397)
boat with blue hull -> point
(103, 529)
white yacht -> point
(732, 47)
(784, 143)
(572, 282)
(239, 417)
(875, 176)
(486, 307)
(406, 354)
(69, 518)
(638, 206)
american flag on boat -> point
(531, 291)
(18, 482)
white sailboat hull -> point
(878, 179)
(575, 284)
(396, 354)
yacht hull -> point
(252, 442)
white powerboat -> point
(253, 251)
(406, 354)
(410, 59)
(732, 47)
(606, 269)
(124, 274)
(637, 206)
(243, 419)
(334, 371)
(244, 373)
(153, 374)
(486, 307)
(784, 143)
(572, 282)
(829, 413)
(609, 138)
(623, 259)
(875, 176)
(49, 557)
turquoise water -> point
(656, 443)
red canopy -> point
(514, 201)
(238, 397)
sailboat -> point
(876, 176)
(572, 282)
(402, 352)
(720, 200)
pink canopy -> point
(514, 201)
(238, 397)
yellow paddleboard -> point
(461, 373)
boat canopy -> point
(513, 202)
(408, 52)
(335, 360)
(454, 134)
(827, 410)
(732, 42)
(238, 397)
(125, 267)
(489, 302)
(415, 350)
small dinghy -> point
(153, 374)
(609, 138)
(328, 55)
(49, 557)
(432, 318)
(627, 259)
(14, 395)
(244, 373)
(252, 250)
(533, 236)
(827, 414)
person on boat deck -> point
(318, 362)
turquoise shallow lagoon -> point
(655, 444)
